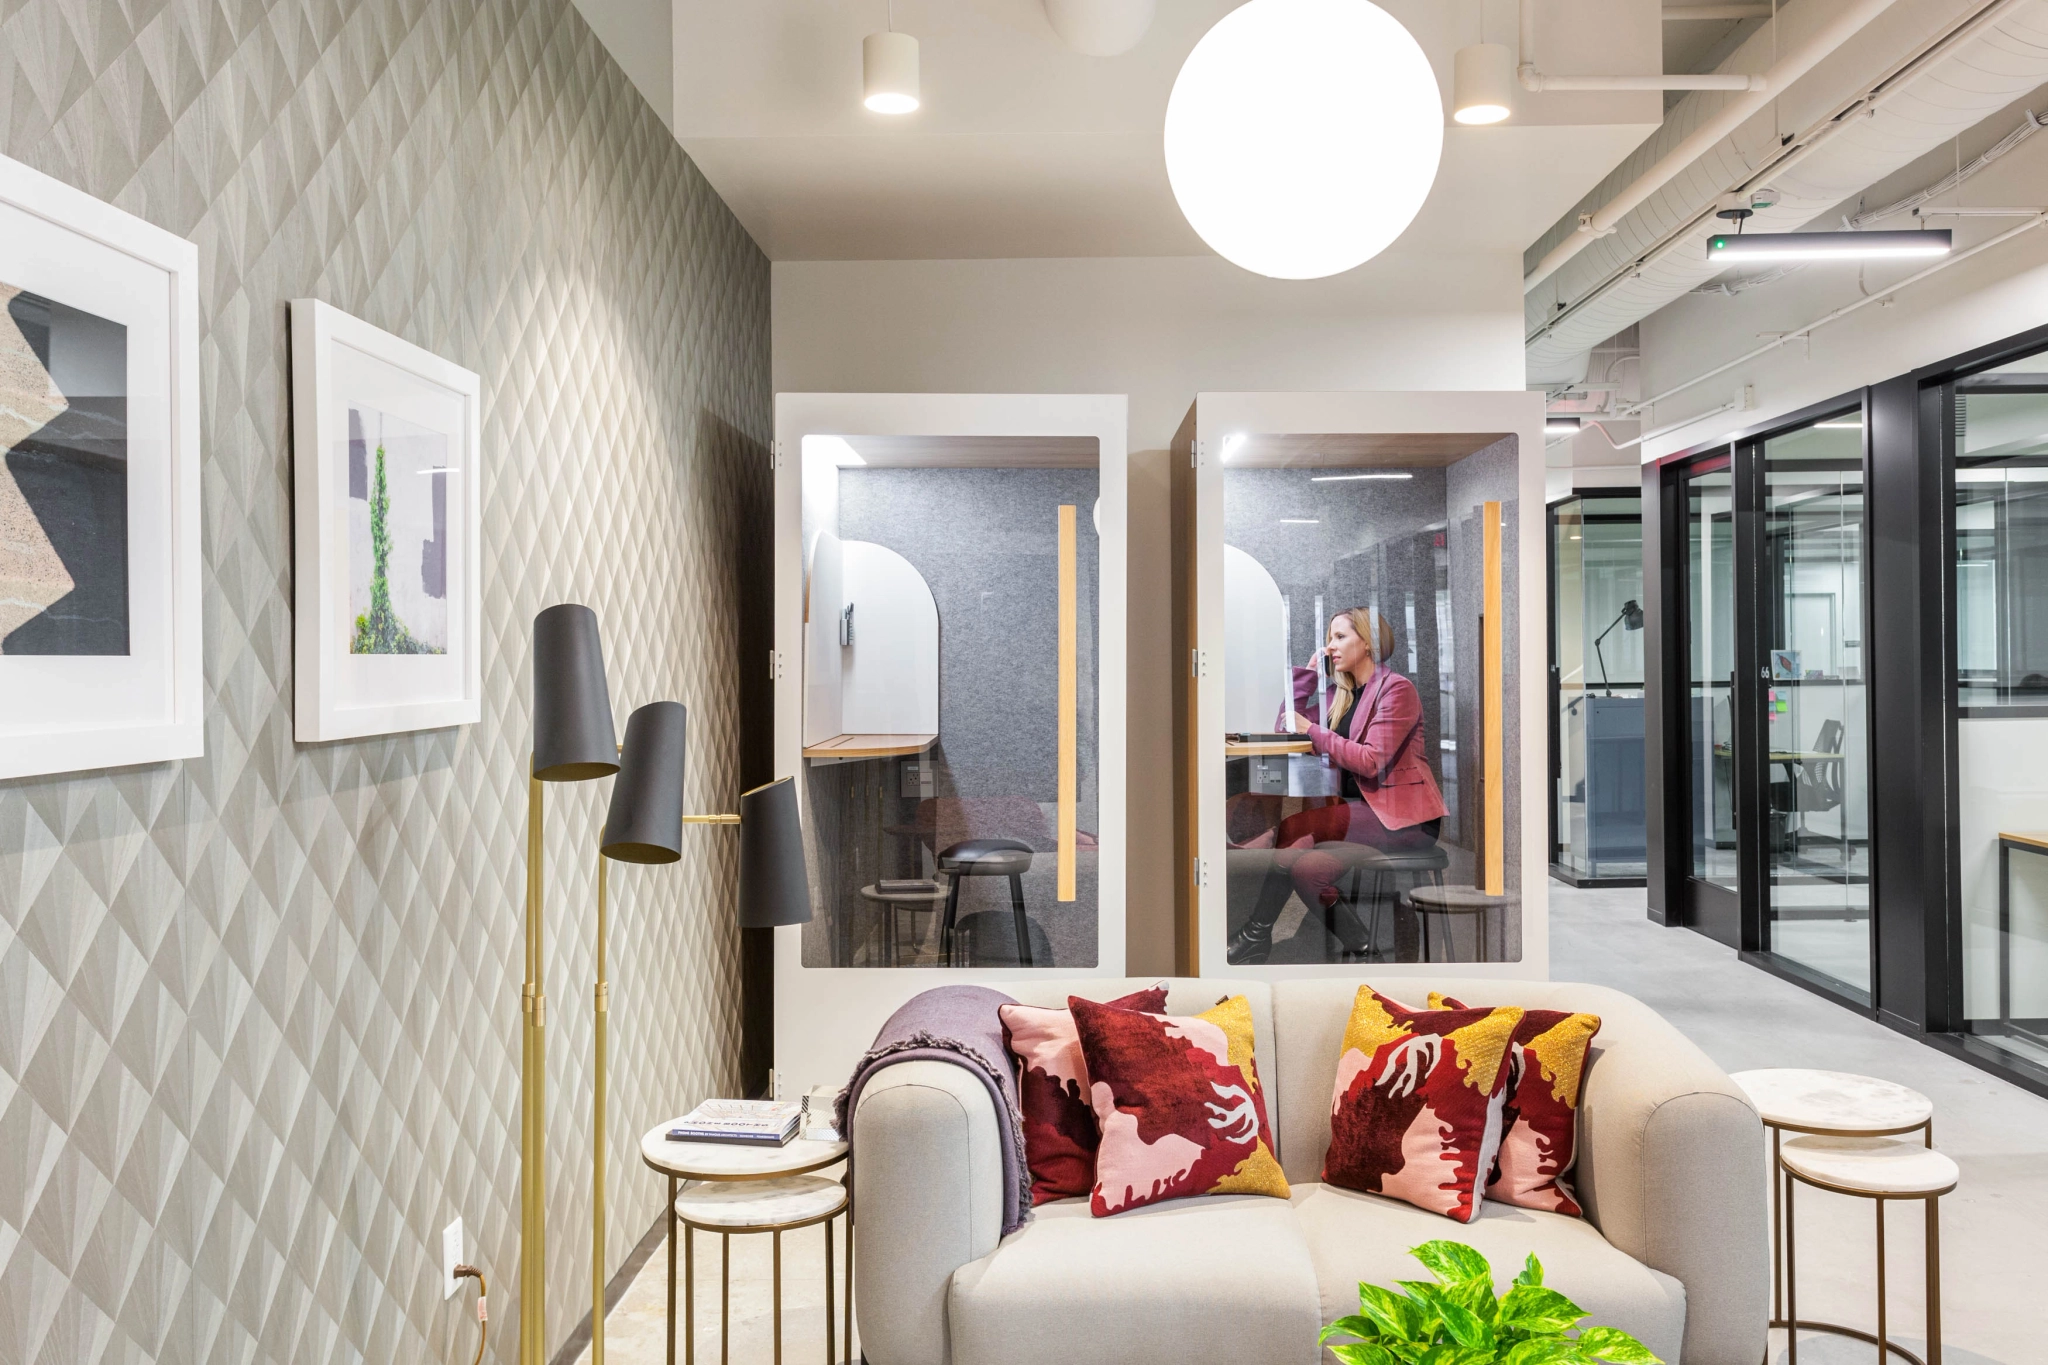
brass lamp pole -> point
(573, 741)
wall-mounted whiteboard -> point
(889, 675)
(1257, 675)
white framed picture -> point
(99, 484)
(387, 513)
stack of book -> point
(750, 1123)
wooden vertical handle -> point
(1070, 695)
(1493, 790)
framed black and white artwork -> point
(99, 484)
(386, 513)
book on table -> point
(749, 1123)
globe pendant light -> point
(1303, 135)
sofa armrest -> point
(928, 1198)
(1672, 1170)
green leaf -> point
(1613, 1344)
(1476, 1296)
(1465, 1327)
(1364, 1353)
(1536, 1309)
(1365, 1329)
(1543, 1351)
(1452, 1262)
(1400, 1318)
(1532, 1271)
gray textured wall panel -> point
(259, 1012)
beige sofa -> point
(1671, 1171)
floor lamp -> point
(643, 825)
(573, 741)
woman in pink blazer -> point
(1374, 738)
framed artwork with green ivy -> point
(387, 479)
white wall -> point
(639, 36)
(1156, 328)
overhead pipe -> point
(1673, 249)
(1730, 117)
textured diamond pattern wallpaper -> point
(259, 1012)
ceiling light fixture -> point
(1829, 246)
(1561, 426)
(1301, 521)
(1232, 443)
(1348, 478)
(889, 68)
(837, 449)
(1100, 28)
(1844, 425)
(1483, 84)
(1302, 136)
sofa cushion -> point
(1539, 1137)
(1224, 1280)
(1184, 995)
(1416, 1109)
(1353, 1237)
(1060, 1134)
(1179, 1105)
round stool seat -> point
(987, 858)
(1871, 1166)
(1456, 900)
(1833, 1101)
(739, 1205)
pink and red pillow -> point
(1416, 1114)
(1060, 1136)
(1540, 1116)
(1179, 1104)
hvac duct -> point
(1977, 61)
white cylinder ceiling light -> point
(1302, 136)
(889, 68)
(1483, 88)
(1100, 28)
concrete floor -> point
(1994, 1248)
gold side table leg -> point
(1934, 1280)
(776, 1302)
(724, 1298)
(1883, 1338)
(830, 1353)
(689, 1294)
(1791, 1277)
(671, 1270)
(1777, 1234)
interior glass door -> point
(1816, 759)
(1709, 559)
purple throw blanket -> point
(959, 1025)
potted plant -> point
(1459, 1320)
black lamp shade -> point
(573, 739)
(774, 889)
(1631, 615)
(645, 823)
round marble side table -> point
(1800, 1101)
(1880, 1169)
(737, 1190)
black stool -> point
(1364, 859)
(986, 858)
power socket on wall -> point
(451, 1257)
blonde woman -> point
(1374, 738)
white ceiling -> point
(1026, 148)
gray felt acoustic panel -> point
(259, 1012)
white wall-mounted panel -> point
(1256, 671)
(890, 681)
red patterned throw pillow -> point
(1540, 1116)
(1179, 1104)
(1416, 1114)
(1060, 1136)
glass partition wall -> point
(2000, 481)
(1776, 761)
(1596, 678)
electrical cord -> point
(483, 1316)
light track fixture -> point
(1736, 249)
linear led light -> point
(1560, 426)
(1829, 246)
(1301, 521)
(1845, 424)
(1232, 443)
(1346, 478)
(834, 448)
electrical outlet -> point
(451, 1257)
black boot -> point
(1250, 946)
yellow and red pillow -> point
(1179, 1104)
(1540, 1115)
(1060, 1134)
(1416, 1113)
